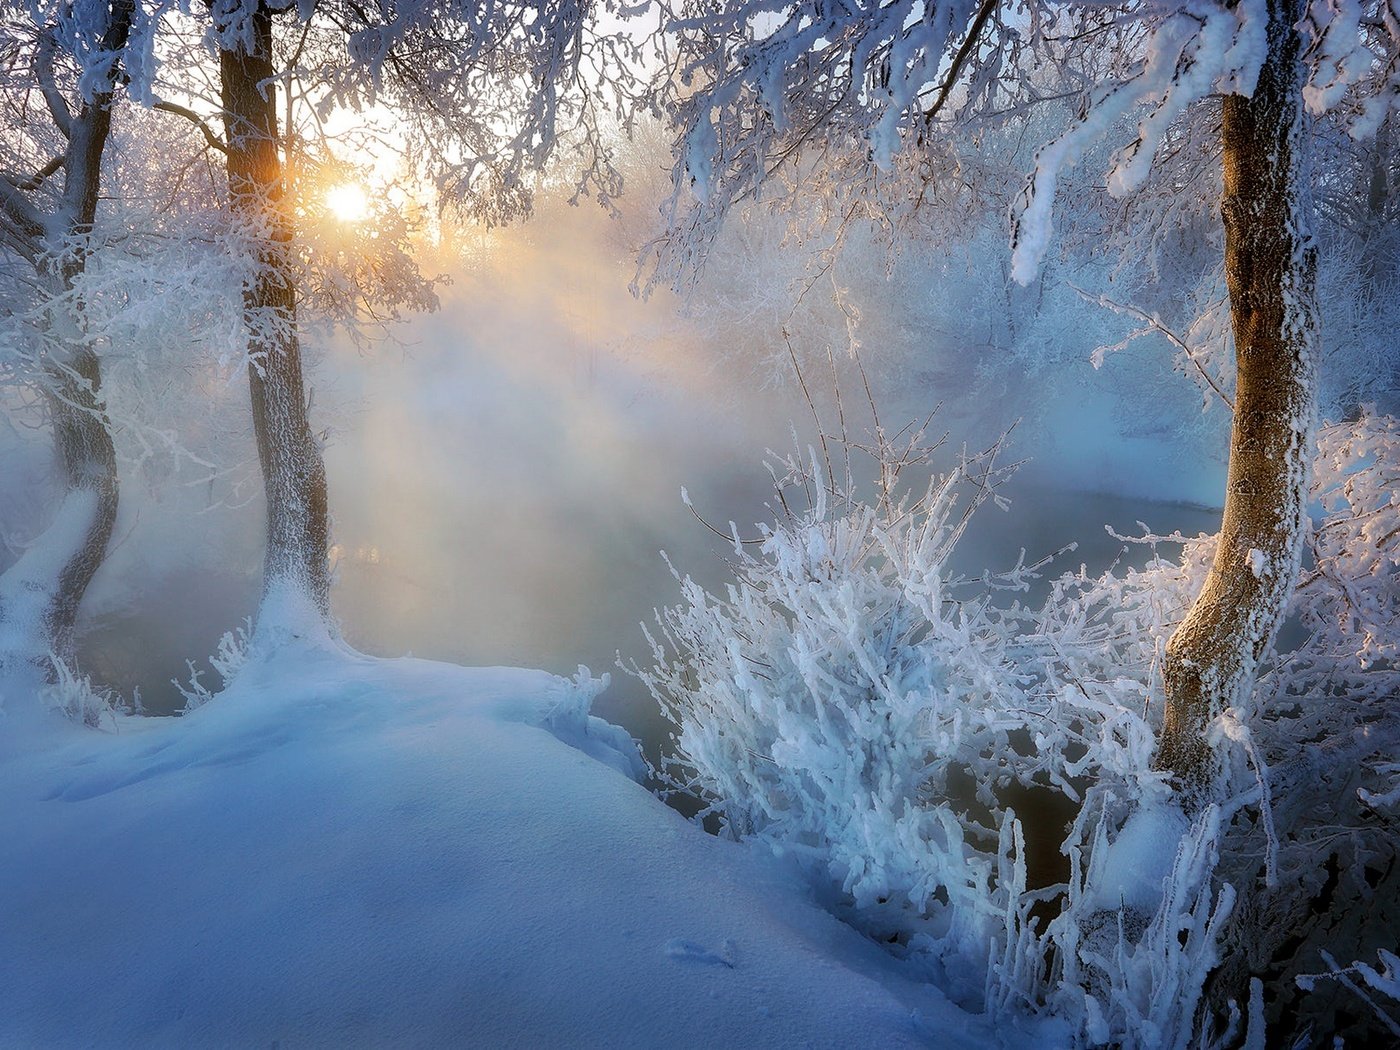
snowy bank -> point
(343, 851)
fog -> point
(505, 473)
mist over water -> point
(502, 483)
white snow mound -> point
(343, 851)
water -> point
(502, 487)
(508, 508)
(565, 585)
(502, 482)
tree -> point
(1270, 269)
(71, 63)
(294, 474)
(886, 94)
(481, 97)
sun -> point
(348, 202)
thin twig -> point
(1156, 324)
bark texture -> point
(89, 462)
(1270, 266)
(294, 473)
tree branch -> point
(1155, 323)
(960, 59)
(26, 219)
(194, 118)
(33, 182)
(48, 86)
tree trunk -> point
(294, 474)
(80, 424)
(89, 461)
(1270, 267)
(40, 595)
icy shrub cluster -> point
(1308, 844)
(227, 660)
(74, 696)
(1137, 927)
(847, 703)
(232, 651)
(1383, 981)
(1351, 593)
(839, 685)
(1327, 723)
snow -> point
(1258, 562)
(340, 850)
(27, 591)
(1339, 56)
(700, 146)
(27, 587)
(1141, 858)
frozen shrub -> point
(227, 660)
(1350, 596)
(1307, 847)
(1326, 725)
(75, 697)
(194, 691)
(847, 703)
(1137, 928)
(1377, 986)
(232, 651)
(841, 684)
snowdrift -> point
(344, 851)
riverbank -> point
(346, 851)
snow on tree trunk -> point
(1270, 265)
(41, 593)
(294, 473)
(89, 466)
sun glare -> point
(348, 202)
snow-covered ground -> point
(346, 851)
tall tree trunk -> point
(294, 473)
(40, 595)
(1270, 267)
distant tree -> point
(889, 95)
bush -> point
(844, 683)
(846, 703)
(227, 660)
(75, 697)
